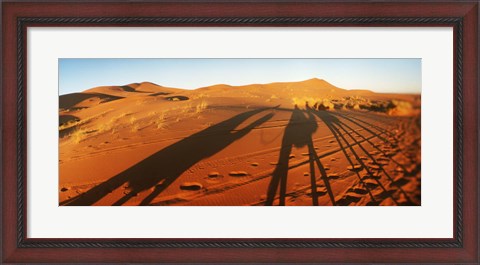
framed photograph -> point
(216, 132)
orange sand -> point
(298, 143)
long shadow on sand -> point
(161, 169)
(377, 135)
(298, 133)
(339, 130)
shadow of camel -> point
(381, 131)
(298, 133)
(339, 130)
(161, 169)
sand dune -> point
(297, 143)
(83, 100)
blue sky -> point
(379, 75)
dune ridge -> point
(282, 143)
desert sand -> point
(294, 144)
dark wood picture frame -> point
(18, 16)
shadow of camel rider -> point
(298, 133)
(162, 168)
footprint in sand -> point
(353, 198)
(348, 199)
(191, 186)
(320, 191)
(214, 177)
(214, 174)
(355, 168)
(238, 173)
(333, 176)
(357, 191)
(400, 181)
(370, 184)
(371, 176)
(320, 184)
